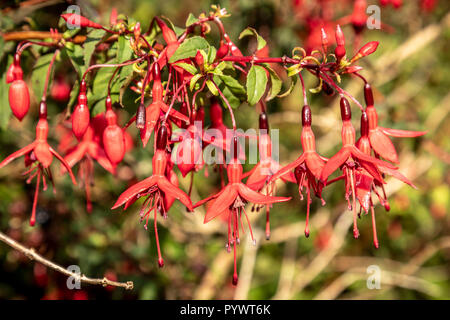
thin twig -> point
(32, 255)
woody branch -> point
(33, 255)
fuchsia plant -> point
(183, 70)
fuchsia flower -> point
(157, 188)
(153, 111)
(231, 200)
(378, 136)
(366, 184)
(308, 167)
(88, 149)
(39, 156)
(259, 176)
(349, 159)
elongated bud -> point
(137, 31)
(140, 116)
(199, 60)
(352, 69)
(157, 89)
(19, 98)
(339, 51)
(161, 139)
(340, 39)
(368, 95)
(223, 50)
(364, 125)
(77, 20)
(113, 17)
(263, 121)
(80, 115)
(346, 113)
(168, 34)
(306, 116)
(365, 50)
(113, 139)
(324, 40)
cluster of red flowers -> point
(188, 72)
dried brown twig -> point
(33, 255)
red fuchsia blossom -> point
(231, 200)
(259, 176)
(39, 156)
(153, 111)
(86, 151)
(308, 167)
(366, 183)
(349, 159)
(157, 188)
(378, 136)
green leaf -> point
(275, 83)
(76, 56)
(73, 95)
(252, 32)
(92, 40)
(212, 87)
(39, 74)
(194, 80)
(233, 85)
(234, 94)
(5, 110)
(100, 84)
(211, 55)
(256, 84)
(187, 66)
(191, 20)
(188, 49)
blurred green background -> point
(410, 74)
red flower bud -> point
(168, 34)
(140, 116)
(80, 120)
(19, 98)
(223, 50)
(113, 139)
(199, 60)
(113, 17)
(340, 39)
(346, 112)
(352, 69)
(365, 50)
(81, 21)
